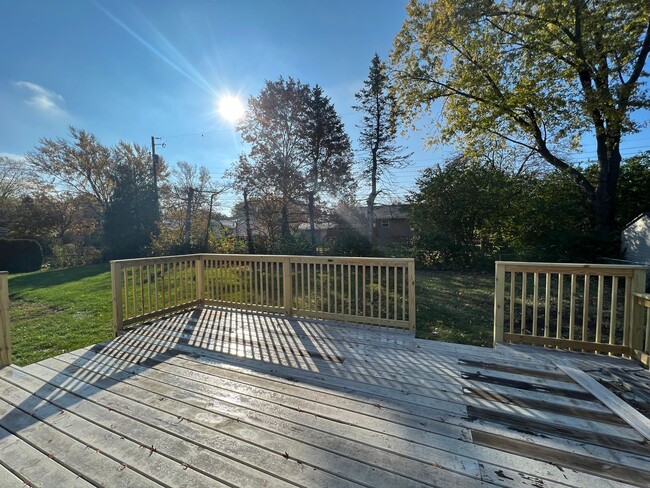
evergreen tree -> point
(330, 153)
(130, 218)
(378, 133)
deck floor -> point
(217, 397)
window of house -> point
(384, 223)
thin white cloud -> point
(42, 98)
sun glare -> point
(231, 108)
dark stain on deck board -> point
(561, 458)
(536, 427)
(557, 376)
(523, 385)
(525, 402)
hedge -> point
(20, 255)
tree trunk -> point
(370, 215)
(286, 230)
(249, 231)
(609, 162)
(312, 220)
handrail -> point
(5, 326)
(588, 307)
(378, 291)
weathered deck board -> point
(10, 480)
(86, 460)
(218, 397)
(414, 450)
(34, 466)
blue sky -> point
(131, 69)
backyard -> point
(56, 311)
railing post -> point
(200, 274)
(499, 300)
(411, 272)
(637, 319)
(287, 286)
(5, 329)
(116, 286)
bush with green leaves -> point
(350, 243)
(20, 255)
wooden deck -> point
(216, 397)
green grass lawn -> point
(60, 310)
(455, 306)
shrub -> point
(351, 244)
(20, 255)
(67, 255)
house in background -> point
(635, 240)
(390, 223)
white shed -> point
(635, 240)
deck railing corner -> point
(376, 291)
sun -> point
(231, 108)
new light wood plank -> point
(636, 420)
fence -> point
(365, 290)
(5, 331)
(585, 307)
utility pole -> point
(188, 218)
(154, 161)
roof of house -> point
(385, 212)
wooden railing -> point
(586, 307)
(5, 329)
(364, 290)
(151, 287)
(642, 300)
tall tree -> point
(273, 127)
(378, 133)
(330, 154)
(298, 148)
(541, 75)
(130, 218)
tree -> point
(330, 153)
(541, 75)
(130, 218)
(273, 127)
(633, 195)
(81, 166)
(471, 211)
(186, 208)
(243, 177)
(298, 148)
(378, 133)
(12, 178)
